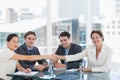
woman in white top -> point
(8, 58)
(98, 55)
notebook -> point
(25, 74)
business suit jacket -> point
(24, 51)
(74, 49)
(102, 64)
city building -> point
(11, 15)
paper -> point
(71, 70)
(48, 76)
(26, 74)
(59, 68)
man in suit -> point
(28, 48)
(67, 48)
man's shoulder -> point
(60, 47)
(35, 50)
(20, 49)
(21, 46)
(34, 47)
(76, 45)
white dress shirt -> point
(101, 64)
(7, 65)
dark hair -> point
(28, 33)
(10, 36)
(98, 32)
(64, 34)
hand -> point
(85, 69)
(39, 67)
(80, 69)
(45, 64)
(28, 70)
(59, 65)
(54, 58)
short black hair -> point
(10, 36)
(98, 32)
(65, 34)
(28, 33)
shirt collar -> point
(29, 47)
(66, 49)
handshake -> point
(54, 57)
(56, 63)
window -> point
(113, 33)
(75, 16)
(118, 33)
(108, 27)
(108, 33)
(118, 27)
(113, 22)
(113, 27)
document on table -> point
(26, 74)
(71, 70)
(59, 69)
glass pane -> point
(21, 16)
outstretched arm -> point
(62, 57)
(31, 58)
(74, 57)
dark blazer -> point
(74, 48)
(24, 51)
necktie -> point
(29, 52)
(66, 51)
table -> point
(74, 75)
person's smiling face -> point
(96, 39)
(65, 41)
(13, 43)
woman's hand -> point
(55, 58)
